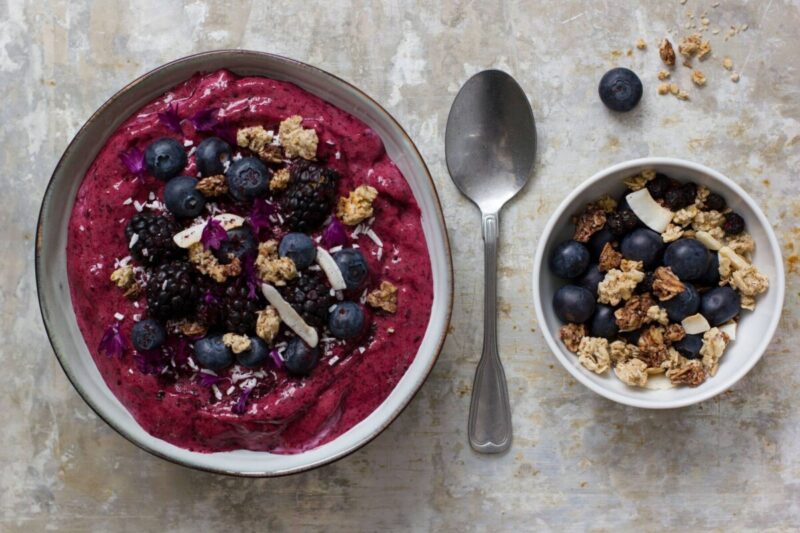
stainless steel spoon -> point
(490, 144)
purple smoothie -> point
(287, 414)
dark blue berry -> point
(254, 356)
(239, 242)
(689, 346)
(569, 259)
(632, 337)
(353, 266)
(642, 245)
(683, 304)
(658, 186)
(715, 202)
(720, 305)
(734, 224)
(623, 220)
(346, 321)
(598, 240)
(148, 334)
(299, 248)
(211, 156)
(165, 158)
(247, 178)
(212, 353)
(710, 277)
(688, 259)
(591, 279)
(620, 89)
(573, 304)
(603, 323)
(182, 197)
(299, 358)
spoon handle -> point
(489, 412)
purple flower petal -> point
(150, 361)
(112, 343)
(205, 120)
(209, 298)
(251, 275)
(133, 159)
(206, 380)
(180, 350)
(213, 235)
(241, 403)
(259, 217)
(170, 119)
(334, 234)
(276, 358)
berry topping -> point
(642, 245)
(687, 258)
(715, 202)
(685, 303)
(299, 248)
(346, 320)
(621, 222)
(569, 259)
(211, 156)
(310, 197)
(720, 305)
(212, 353)
(299, 358)
(659, 186)
(679, 197)
(710, 277)
(599, 240)
(255, 355)
(147, 335)
(172, 291)
(591, 279)
(247, 179)
(734, 224)
(150, 238)
(239, 312)
(620, 89)
(603, 322)
(239, 242)
(573, 304)
(165, 158)
(353, 266)
(182, 197)
(311, 297)
(646, 285)
(689, 346)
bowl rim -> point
(779, 285)
(40, 281)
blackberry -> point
(153, 243)
(734, 224)
(172, 291)
(310, 197)
(659, 186)
(679, 198)
(311, 296)
(238, 311)
(715, 202)
(622, 222)
(209, 309)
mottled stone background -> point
(578, 461)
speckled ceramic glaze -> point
(54, 295)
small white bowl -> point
(755, 328)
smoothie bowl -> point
(243, 266)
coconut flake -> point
(289, 316)
(331, 269)
(648, 210)
(707, 240)
(729, 329)
(695, 324)
(193, 234)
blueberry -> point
(239, 242)
(182, 197)
(211, 155)
(603, 322)
(642, 245)
(688, 259)
(573, 304)
(598, 240)
(715, 202)
(212, 353)
(247, 178)
(300, 359)
(734, 224)
(147, 334)
(710, 277)
(299, 248)
(254, 356)
(165, 158)
(689, 346)
(353, 266)
(591, 279)
(683, 304)
(346, 321)
(620, 89)
(720, 305)
(658, 186)
(622, 221)
(569, 259)
(632, 337)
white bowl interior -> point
(54, 294)
(755, 328)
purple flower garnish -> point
(239, 406)
(133, 159)
(276, 358)
(205, 120)
(213, 235)
(334, 234)
(260, 216)
(112, 343)
(209, 298)
(170, 119)
(150, 361)
(251, 276)
(180, 350)
(206, 380)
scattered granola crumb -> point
(683, 217)
(727, 63)
(658, 314)
(191, 329)
(652, 346)
(667, 53)
(588, 223)
(641, 44)
(632, 315)
(207, 264)
(593, 354)
(673, 88)
(637, 181)
(384, 297)
(672, 233)
(691, 374)
(632, 372)
(571, 335)
(357, 206)
(714, 344)
(708, 221)
(621, 351)
(698, 78)
(280, 179)
(609, 258)
(254, 138)
(268, 323)
(237, 343)
(663, 88)
(666, 284)
(124, 278)
(682, 95)
(618, 285)
(296, 140)
(212, 186)
(274, 269)
(663, 75)
(606, 203)
(735, 77)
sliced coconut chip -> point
(707, 240)
(289, 315)
(192, 234)
(658, 382)
(695, 324)
(736, 260)
(648, 210)
(331, 269)
(729, 329)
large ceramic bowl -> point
(51, 244)
(755, 328)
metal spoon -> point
(490, 144)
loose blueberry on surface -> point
(212, 353)
(734, 224)
(148, 334)
(715, 202)
(165, 158)
(569, 259)
(353, 266)
(255, 355)
(720, 305)
(684, 304)
(688, 259)
(689, 346)
(346, 321)
(603, 323)
(710, 277)
(642, 245)
(299, 358)
(620, 89)
(572, 303)
(591, 279)
(239, 242)
(247, 178)
(211, 155)
(182, 197)
(299, 248)
(598, 240)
